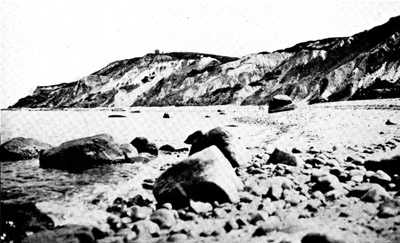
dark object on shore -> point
(169, 148)
(198, 178)
(135, 111)
(236, 154)
(65, 233)
(116, 116)
(281, 103)
(388, 162)
(143, 145)
(389, 122)
(21, 149)
(166, 115)
(17, 219)
(84, 153)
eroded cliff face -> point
(365, 65)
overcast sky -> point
(48, 42)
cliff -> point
(363, 66)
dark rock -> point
(139, 201)
(18, 219)
(324, 238)
(65, 233)
(236, 154)
(388, 162)
(116, 116)
(282, 157)
(389, 122)
(281, 103)
(144, 146)
(84, 153)
(21, 149)
(166, 115)
(167, 148)
(204, 176)
(164, 218)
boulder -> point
(205, 176)
(84, 153)
(370, 192)
(281, 103)
(21, 149)
(230, 147)
(282, 157)
(18, 219)
(388, 162)
(65, 233)
(144, 146)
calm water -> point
(25, 180)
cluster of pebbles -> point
(325, 196)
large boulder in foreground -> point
(230, 147)
(281, 103)
(84, 153)
(20, 219)
(21, 149)
(205, 176)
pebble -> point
(200, 207)
(179, 237)
(271, 224)
(381, 178)
(258, 216)
(164, 218)
(230, 225)
(139, 213)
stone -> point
(178, 237)
(167, 147)
(22, 149)
(259, 216)
(65, 233)
(280, 103)
(145, 229)
(387, 162)
(329, 237)
(139, 213)
(230, 147)
(144, 146)
(381, 178)
(200, 207)
(283, 157)
(84, 153)
(370, 192)
(389, 208)
(164, 218)
(271, 224)
(205, 176)
(327, 182)
(17, 219)
(166, 115)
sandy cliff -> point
(363, 66)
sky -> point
(47, 42)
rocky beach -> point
(300, 144)
(322, 173)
